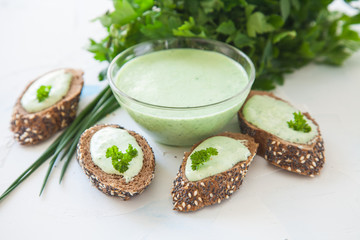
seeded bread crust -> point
(192, 195)
(32, 128)
(112, 184)
(304, 159)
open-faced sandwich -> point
(47, 105)
(287, 138)
(117, 161)
(212, 171)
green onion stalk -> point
(65, 145)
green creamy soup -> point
(182, 78)
(230, 152)
(272, 116)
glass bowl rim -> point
(164, 40)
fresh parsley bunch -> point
(279, 36)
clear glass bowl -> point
(181, 126)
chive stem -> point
(74, 132)
(102, 105)
(109, 106)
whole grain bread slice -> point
(32, 128)
(112, 184)
(193, 195)
(304, 159)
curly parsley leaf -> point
(121, 161)
(198, 158)
(257, 24)
(279, 36)
(43, 93)
(112, 152)
(226, 28)
(299, 123)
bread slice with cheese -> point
(303, 158)
(113, 184)
(34, 127)
(193, 195)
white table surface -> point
(38, 36)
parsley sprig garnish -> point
(299, 123)
(198, 158)
(43, 92)
(120, 161)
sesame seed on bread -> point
(32, 128)
(193, 195)
(304, 159)
(112, 184)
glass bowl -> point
(181, 126)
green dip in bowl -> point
(181, 90)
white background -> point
(38, 36)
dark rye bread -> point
(32, 128)
(192, 195)
(112, 184)
(304, 159)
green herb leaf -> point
(43, 92)
(276, 21)
(278, 37)
(112, 152)
(124, 12)
(242, 40)
(226, 28)
(295, 4)
(102, 74)
(121, 161)
(299, 123)
(188, 29)
(198, 158)
(257, 24)
(141, 6)
(285, 8)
